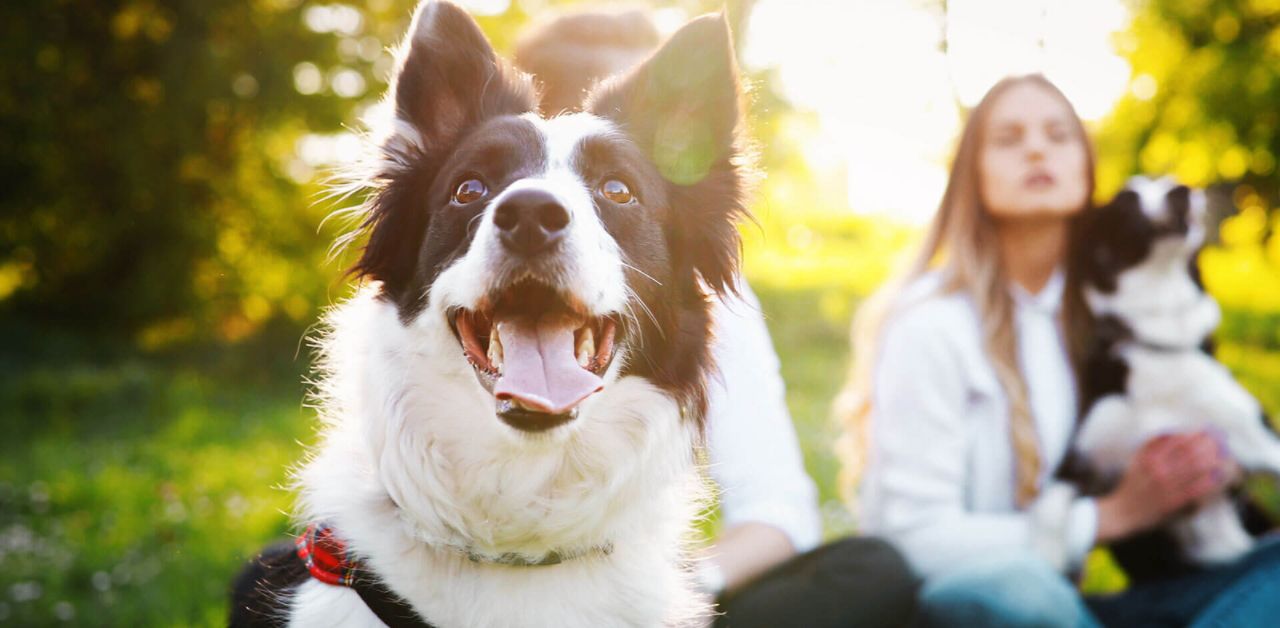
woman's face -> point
(1033, 161)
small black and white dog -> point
(1151, 370)
(511, 403)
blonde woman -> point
(963, 400)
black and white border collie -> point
(1151, 370)
(511, 402)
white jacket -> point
(940, 479)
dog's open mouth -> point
(539, 353)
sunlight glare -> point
(888, 90)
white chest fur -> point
(413, 462)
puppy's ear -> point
(1179, 202)
(448, 80)
(683, 107)
(1091, 252)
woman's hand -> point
(1168, 474)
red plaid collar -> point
(325, 556)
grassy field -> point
(132, 487)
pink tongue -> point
(539, 368)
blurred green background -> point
(162, 256)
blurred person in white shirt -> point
(766, 567)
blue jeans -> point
(1245, 593)
(1024, 591)
(1007, 591)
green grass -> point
(132, 487)
(135, 486)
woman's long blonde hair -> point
(961, 243)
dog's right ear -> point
(448, 79)
(1101, 234)
(683, 107)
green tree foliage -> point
(1204, 106)
(138, 156)
(161, 161)
(1205, 102)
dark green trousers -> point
(858, 582)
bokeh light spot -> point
(307, 78)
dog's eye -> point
(469, 191)
(617, 191)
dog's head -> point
(551, 256)
(1137, 254)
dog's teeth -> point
(495, 348)
(586, 347)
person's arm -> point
(768, 503)
(743, 552)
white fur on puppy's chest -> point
(1167, 392)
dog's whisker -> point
(641, 273)
(648, 312)
(632, 298)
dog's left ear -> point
(683, 107)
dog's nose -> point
(530, 222)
